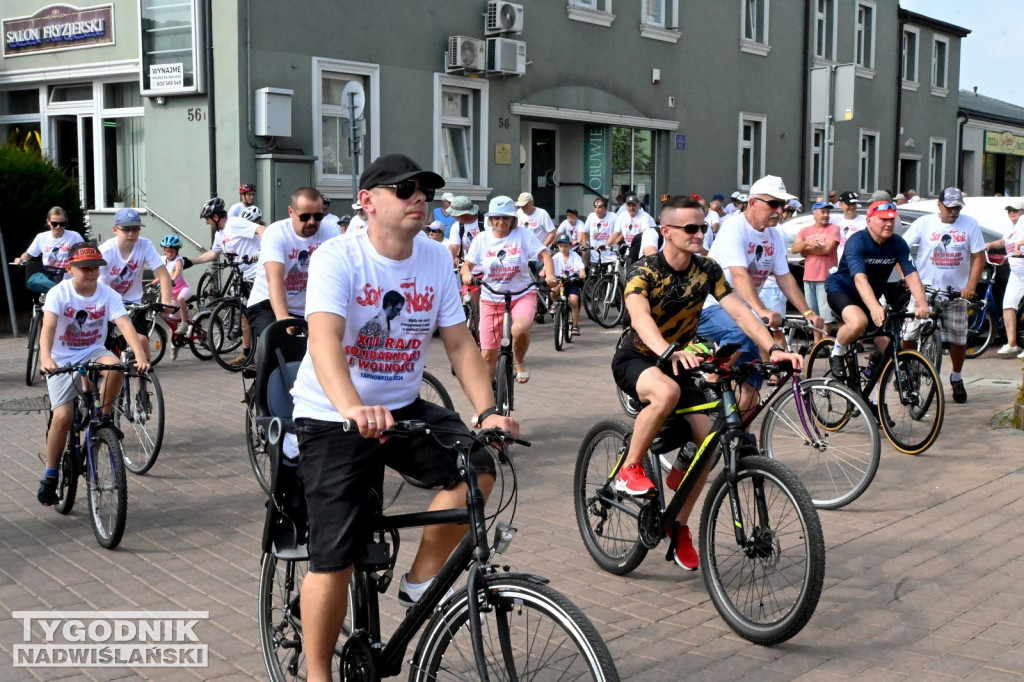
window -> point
(591, 11)
(633, 162)
(460, 137)
(335, 162)
(936, 167)
(868, 161)
(171, 61)
(818, 159)
(825, 29)
(660, 20)
(865, 40)
(751, 151)
(940, 62)
(754, 33)
(910, 38)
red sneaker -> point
(685, 554)
(632, 480)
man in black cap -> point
(374, 381)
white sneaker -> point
(1021, 356)
(1007, 349)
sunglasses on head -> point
(886, 207)
(691, 229)
(776, 204)
(306, 217)
(59, 223)
(406, 188)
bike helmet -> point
(171, 241)
(246, 188)
(252, 214)
(326, 199)
(212, 206)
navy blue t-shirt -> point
(864, 255)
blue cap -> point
(719, 196)
(127, 217)
(821, 204)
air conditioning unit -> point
(465, 54)
(506, 56)
(503, 17)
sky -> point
(991, 56)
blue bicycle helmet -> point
(171, 241)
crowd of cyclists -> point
(374, 288)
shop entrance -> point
(71, 147)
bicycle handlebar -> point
(408, 427)
(85, 367)
(478, 281)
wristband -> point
(775, 347)
(807, 313)
(478, 419)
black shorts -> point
(628, 365)
(261, 315)
(343, 474)
(837, 300)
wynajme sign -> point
(57, 28)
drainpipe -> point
(899, 107)
(962, 119)
(805, 97)
(210, 104)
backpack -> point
(634, 246)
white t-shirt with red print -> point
(54, 250)
(281, 245)
(81, 320)
(1013, 236)
(504, 262)
(598, 230)
(568, 265)
(391, 309)
(539, 222)
(738, 244)
(631, 227)
(124, 275)
(944, 251)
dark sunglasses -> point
(776, 204)
(693, 228)
(600, 205)
(406, 188)
(60, 224)
(1009, 210)
(316, 217)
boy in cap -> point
(568, 264)
(68, 337)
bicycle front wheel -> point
(531, 632)
(911, 411)
(32, 366)
(587, 296)
(931, 347)
(981, 331)
(197, 341)
(139, 413)
(766, 590)
(827, 435)
(608, 302)
(226, 335)
(503, 385)
(608, 520)
(433, 391)
(108, 488)
(559, 326)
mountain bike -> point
(94, 452)
(501, 625)
(226, 316)
(761, 546)
(910, 400)
(504, 375)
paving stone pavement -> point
(923, 572)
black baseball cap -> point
(393, 168)
(84, 255)
(631, 199)
(849, 198)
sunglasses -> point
(1009, 210)
(57, 224)
(406, 188)
(691, 229)
(600, 205)
(776, 204)
(315, 217)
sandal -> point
(522, 375)
(575, 330)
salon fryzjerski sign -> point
(58, 27)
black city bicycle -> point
(930, 343)
(603, 292)
(35, 326)
(501, 625)
(93, 451)
(504, 375)
(226, 316)
(910, 400)
(761, 547)
(562, 319)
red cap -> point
(883, 209)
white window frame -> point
(752, 45)
(597, 12)
(820, 21)
(475, 186)
(865, 33)
(911, 83)
(817, 179)
(341, 185)
(762, 121)
(937, 89)
(867, 161)
(668, 29)
(934, 188)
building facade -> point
(567, 99)
(992, 147)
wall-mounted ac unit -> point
(503, 17)
(465, 54)
(506, 56)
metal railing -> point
(175, 229)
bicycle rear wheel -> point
(608, 307)
(32, 365)
(197, 341)
(256, 446)
(981, 331)
(226, 335)
(830, 440)
(67, 479)
(627, 403)
(532, 629)
(433, 391)
(767, 590)
(108, 488)
(607, 519)
(911, 418)
(139, 413)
